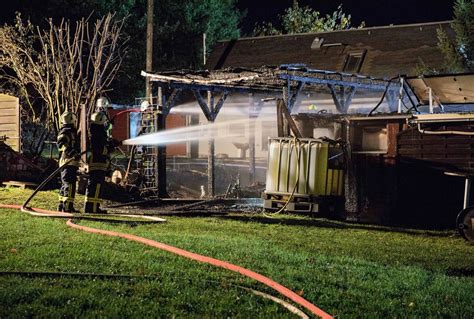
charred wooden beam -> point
(161, 151)
(254, 87)
(288, 118)
(343, 98)
(203, 104)
(334, 78)
(252, 115)
(280, 122)
(293, 96)
(219, 104)
(211, 150)
(170, 103)
(209, 111)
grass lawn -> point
(348, 270)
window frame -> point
(354, 54)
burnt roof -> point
(389, 51)
(267, 78)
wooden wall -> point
(121, 127)
(10, 121)
(406, 184)
(175, 121)
(451, 152)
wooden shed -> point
(10, 121)
(395, 172)
(409, 169)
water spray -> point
(216, 131)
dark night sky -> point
(373, 12)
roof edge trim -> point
(348, 30)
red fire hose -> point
(125, 111)
(193, 256)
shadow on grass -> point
(324, 223)
(459, 272)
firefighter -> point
(70, 149)
(101, 146)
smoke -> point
(267, 110)
(238, 105)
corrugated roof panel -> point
(449, 89)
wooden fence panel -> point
(10, 121)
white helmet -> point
(102, 104)
(144, 105)
(68, 118)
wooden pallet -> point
(301, 203)
(300, 207)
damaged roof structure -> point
(290, 80)
(383, 53)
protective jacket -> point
(101, 148)
(68, 145)
(99, 165)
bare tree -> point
(65, 65)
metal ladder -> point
(147, 160)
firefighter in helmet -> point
(70, 149)
(101, 146)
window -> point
(354, 62)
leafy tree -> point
(459, 53)
(265, 29)
(179, 25)
(217, 18)
(305, 19)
